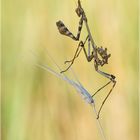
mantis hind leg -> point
(105, 99)
(112, 79)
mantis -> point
(99, 55)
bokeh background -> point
(38, 106)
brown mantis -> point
(98, 55)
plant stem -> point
(101, 130)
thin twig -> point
(101, 130)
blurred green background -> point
(38, 106)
